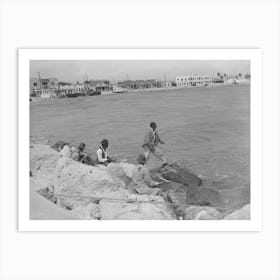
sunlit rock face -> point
(240, 214)
(106, 186)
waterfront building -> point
(40, 84)
(45, 93)
(78, 87)
(65, 88)
(141, 84)
(194, 80)
(98, 85)
(238, 79)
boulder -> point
(122, 171)
(43, 156)
(79, 185)
(76, 184)
(58, 145)
(43, 161)
(87, 212)
(36, 185)
(181, 195)
(43, 209)
(203, 197)
(127, 168)
(241, 214)
(174, 193)
(202, 213)
(181, 175)
(145, 208)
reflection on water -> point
(205, 129)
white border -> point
(254, 55)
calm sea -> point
(205, 129)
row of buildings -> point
(52, 87)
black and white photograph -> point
(140, 139)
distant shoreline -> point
(192, 87)
(39, 100)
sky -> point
(116, 70)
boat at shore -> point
(93, 92)
(83, 93)
(71, 95)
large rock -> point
(79, 185)
(241, 214)
(181, 175)
(88, 212)
(181, 195)
(43, 161)
(146, 208)
(122, 171)
(43, 209)
(202, 213)
(174, 193)
(43, 156)
(203, 197)
(58, 145)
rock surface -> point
(181, 175)
(204, 196)
(100, 192)
(107, 188)
(43, 209)
(42, 156)
(202, 213)
(241, 214)
(43, 161)
(153, 210)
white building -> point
(237, 80)
(78, 88)
(45, 93)
(42, 83)
(65, 88)
(167, 84)
(193, 80)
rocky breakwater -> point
(104, 193)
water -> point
(205, 129)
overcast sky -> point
(73, 71)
